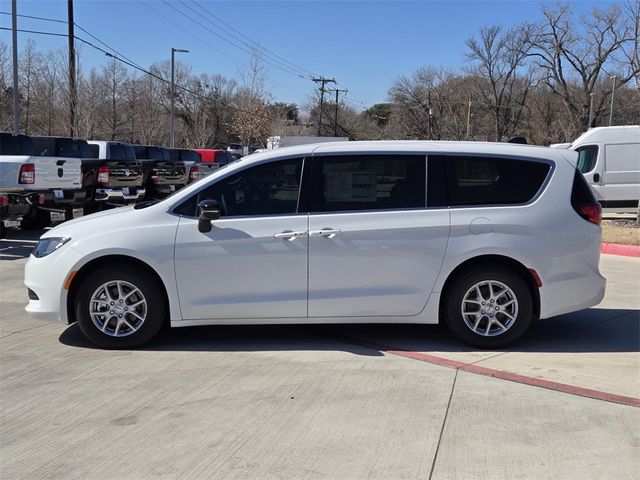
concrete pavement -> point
(297, 402)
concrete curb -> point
(619, 249)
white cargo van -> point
(609, 158)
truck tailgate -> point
(55, 173)
(124, 174)
(50, 173)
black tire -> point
(35, 220)
(151, 290)
(463, 284)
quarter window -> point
(587, 157)
(493, 181)
(268, 189)
(368, 182)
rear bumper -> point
(571, 294)
(18, 205)
(69, 198)
(117, 195)
(163, 190)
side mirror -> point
(209, 211)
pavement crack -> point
(486, 358)
(444, 423)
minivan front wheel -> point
(489, 307)
(119, 307)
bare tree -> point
(498, 60)
(575, 61)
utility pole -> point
(322, 81)
(173, 94)
(73, 93)
(468, 118)
(14, 42)
(613, 94)
(591, 95)
(335, 123)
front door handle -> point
(325, 232)
(289, 235)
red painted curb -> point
(501, 374)
(619, 249)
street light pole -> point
(613, 94)
(14, 44)
(591, 95)
(173, 93)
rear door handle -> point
(289, 235)
(325, 232)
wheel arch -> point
(111, 259)
(492, 259)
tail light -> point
(103, 175)
(583, 200)
(591, 213)
(27, 174)
(194, 173)
(4, 200)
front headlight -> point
(49, 245)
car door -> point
(253, 262)
(374, 248)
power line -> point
(236, 61)
(133, 65)
(230, 42)
(36, 18)
(282, 61)
(253, 43)
(175, 24)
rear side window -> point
(66, 147)
(587, 156)
(493, 181)
(94, 150)
(16, 145)
(368, 182)
(41, 146)
(85, 151)
(116, 152)
(190, 156)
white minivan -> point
(609, 158)
(483, 236)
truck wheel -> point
(120, 307)
(489, 307)
(35, 220)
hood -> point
(67, 229)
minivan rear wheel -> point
(120, 307)
(489, 306)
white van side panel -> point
(621, 172)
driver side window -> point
(268, 189)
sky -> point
(365, 46)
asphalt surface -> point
(291, 402)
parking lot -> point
(347, 402)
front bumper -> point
(46, 277)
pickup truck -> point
(74, 148)
(163, 174)
(193, 161)
(50, 186)
(120, 179)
